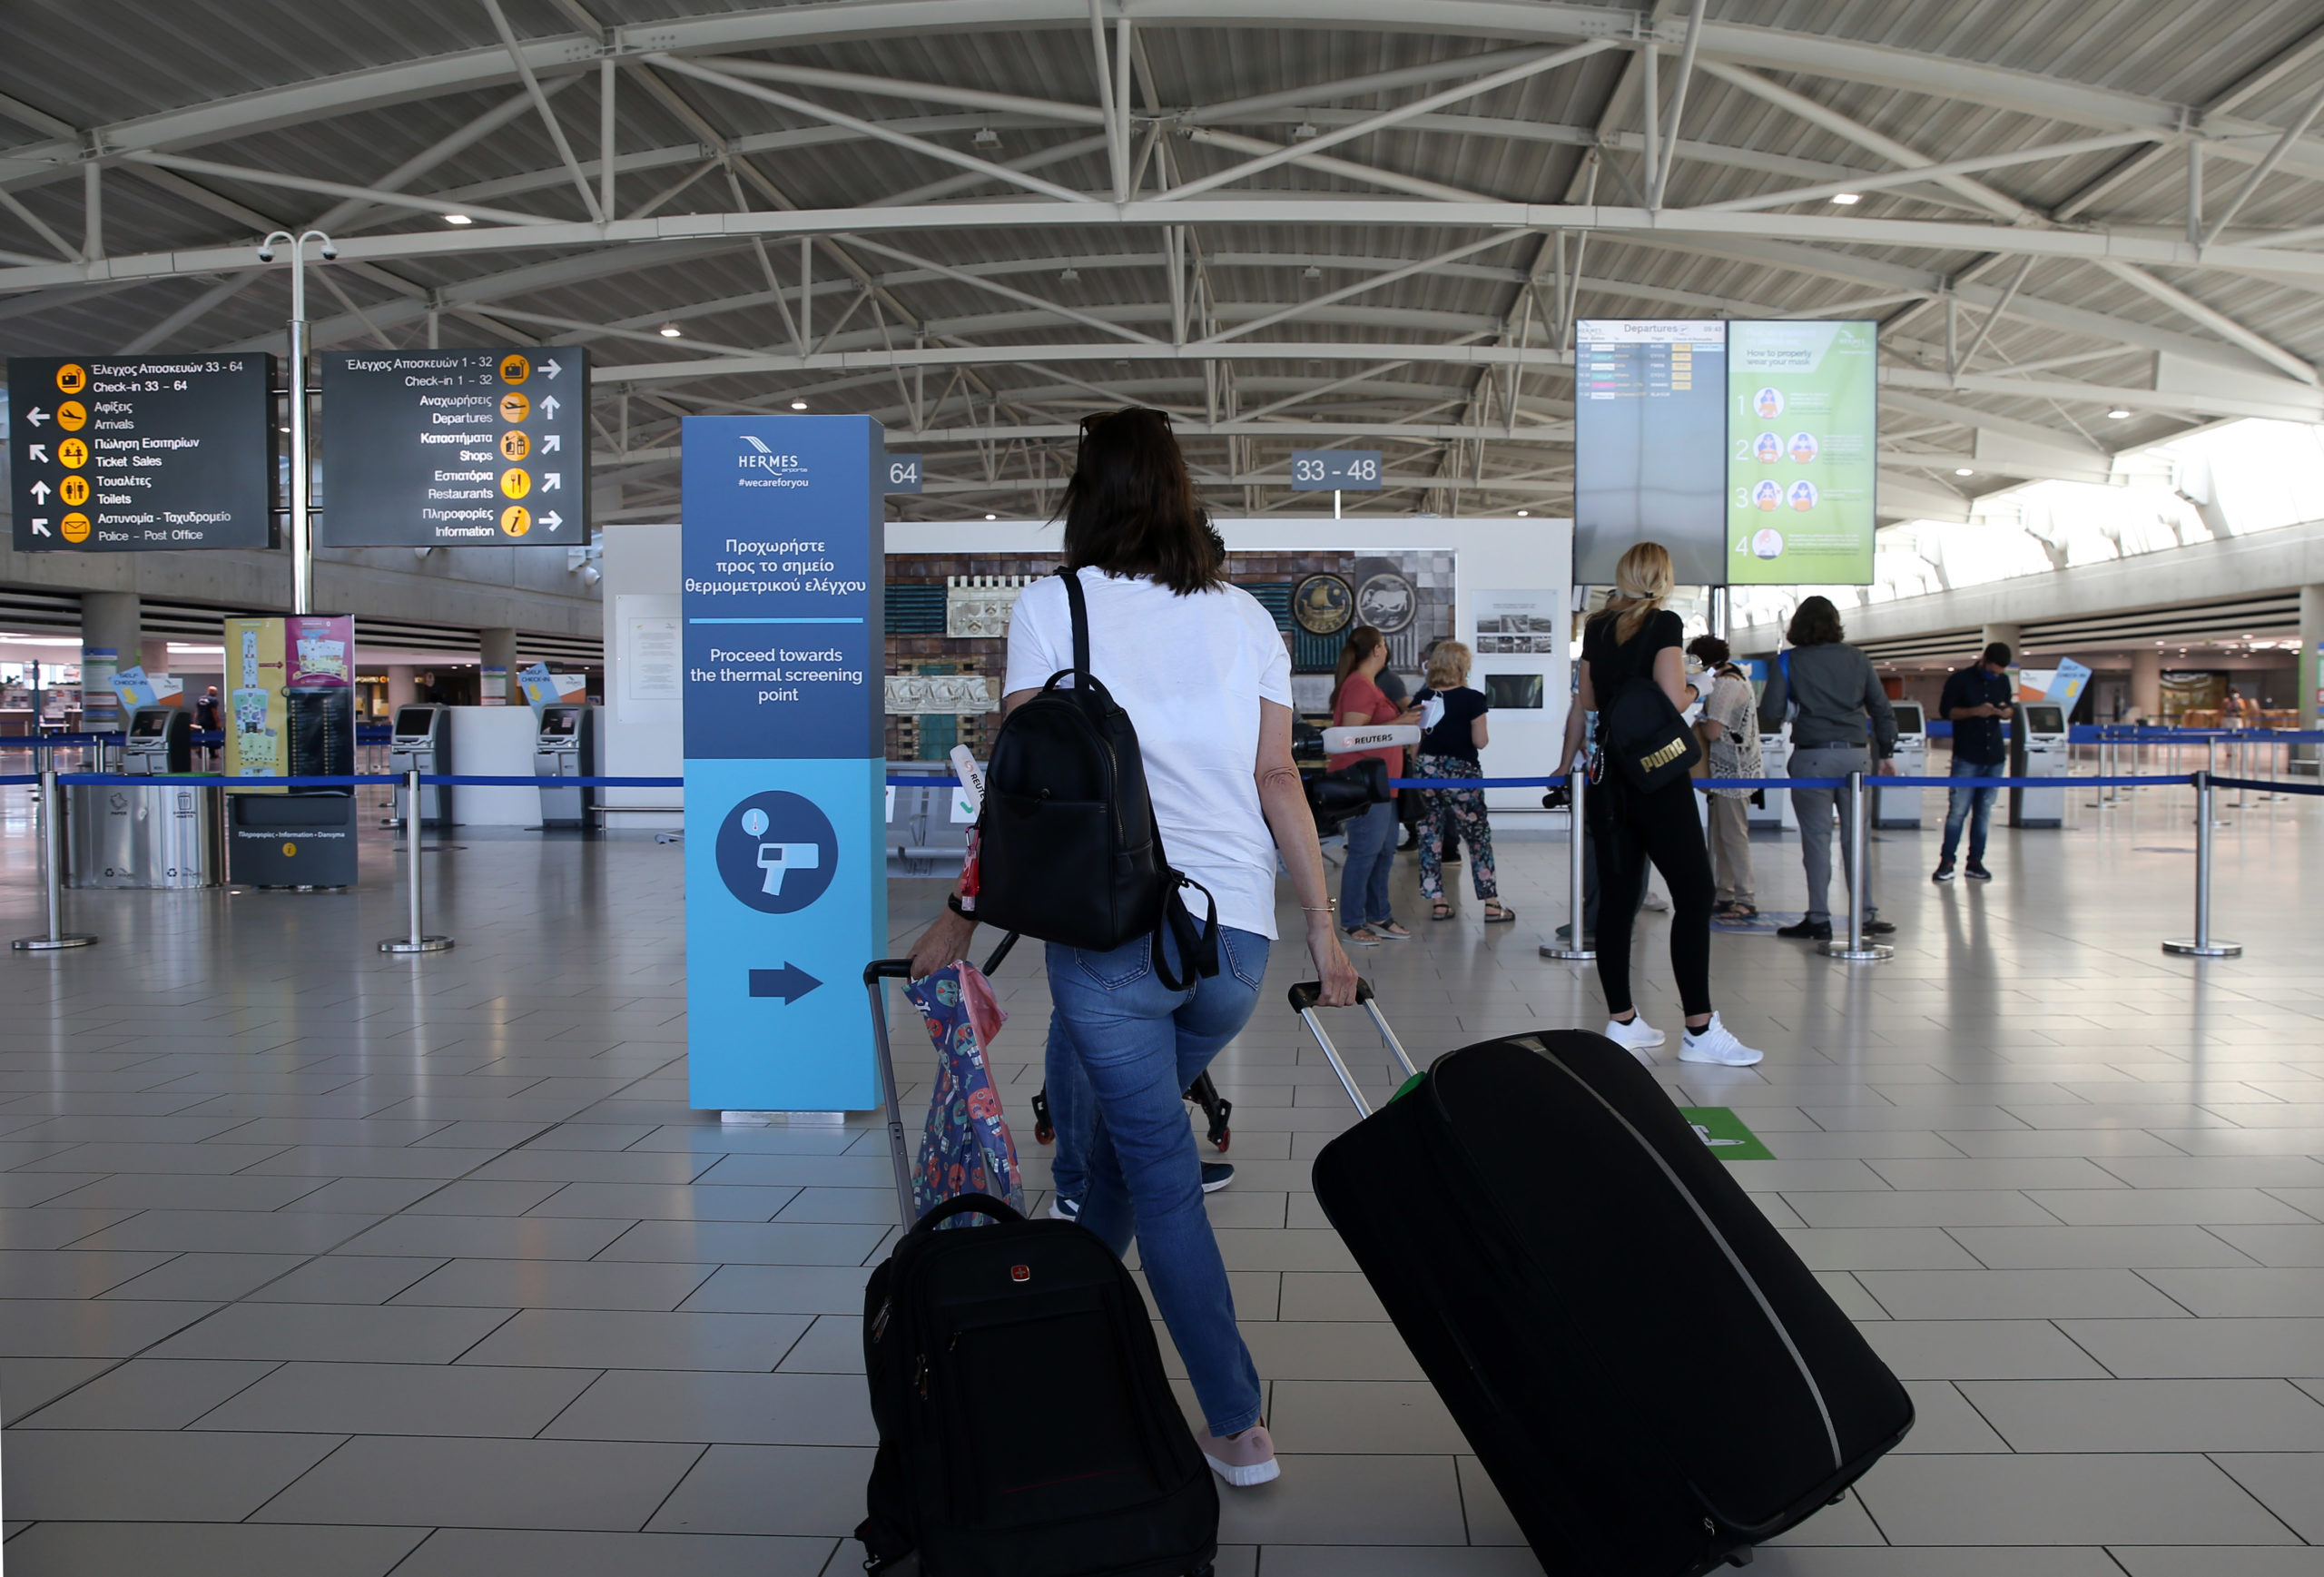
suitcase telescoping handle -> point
(876, 976)
(1307, 996)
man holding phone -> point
(1975, 699)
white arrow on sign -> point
(551, 369)
(552, 441)
(36, 452)
(552, 520)
(35, 416)
(552, 481)
(549, 405)
(40, 492)
(40, 526)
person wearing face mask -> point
(1636, 638)
(1358, 702)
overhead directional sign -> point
(113, 454)
(429, 448)
(903, 473)
(1336, 470)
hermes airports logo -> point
(768, 469)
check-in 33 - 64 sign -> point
(117, 453)
(426, 448)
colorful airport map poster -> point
(1801, 425)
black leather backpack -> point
(1068, 847)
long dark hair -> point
(1816, 623)
(1362, 642)
(1129, 506)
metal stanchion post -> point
(2202, 944)
(2242, 769)
(1856, 949)
(1576, 947)
(416, 941)
(2210, 770)
(52, 832)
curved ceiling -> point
(1292, 224)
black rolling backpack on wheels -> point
(1652, 1379)
(1027, 1428)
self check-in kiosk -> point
(159, 740)
(565, 746)
(2037, 748)
(1901, 807)
(422, 742)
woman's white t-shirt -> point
(1190, 671)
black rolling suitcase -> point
(1027, 1428)
(1653, 1380)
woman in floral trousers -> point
(1453, 720)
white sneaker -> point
(1655, 902)
(1637, 1036)
(1714, 1042)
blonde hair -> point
(1448, 666)
(1642, 580)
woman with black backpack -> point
(1633, 647)
(1199, 667)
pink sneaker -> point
(1242, 1460)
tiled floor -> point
(315, 1262)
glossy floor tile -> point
(323, 1264)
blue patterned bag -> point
(966, 1148)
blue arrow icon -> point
(789, 982)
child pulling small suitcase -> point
(1652, 1379)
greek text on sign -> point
(113, 454)
(426, 449)
(1335, 471)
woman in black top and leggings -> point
(1635, 636)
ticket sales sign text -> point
(468, 447)
(111, 454)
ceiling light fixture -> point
(2118, 414)
(669, 330)
(986, 137)
(1521, 514)
(1070, 274)
(1963, 471)
(992, 516)
(1847, 199)
(457, 219)
(1303, 131)
(798, 405)
(1310, 273)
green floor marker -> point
(1724, 1132)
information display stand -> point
(786, 878)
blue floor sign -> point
(786, 890)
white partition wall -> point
(1499, 566)
(642, 728)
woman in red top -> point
(1356, 703)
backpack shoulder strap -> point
(1079, 608)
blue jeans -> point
(1073, 1112)
(1141, 1044)
(1958, 804)
(1371, 857)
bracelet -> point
(1329, 904)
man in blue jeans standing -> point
(1975, 699)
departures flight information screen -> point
(1649, 444)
